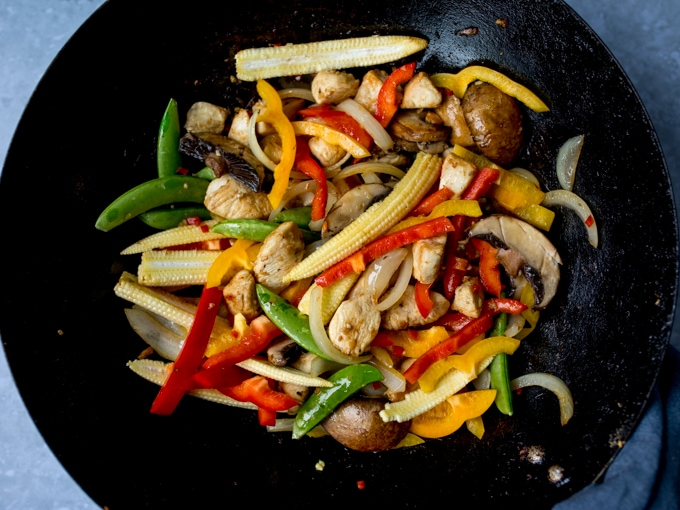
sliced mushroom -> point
(532, 253)
(352, 204)
(411, 126)
(282, 351)
(224, 156)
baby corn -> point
(164, 268)
(293, 59)
(375, 221)
(174, 237)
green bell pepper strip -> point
(164, 219)
(346, 382)
(500, 379)
(149, 195)
(254, 230)
(168, 157)
(301, 216)
(288, 319)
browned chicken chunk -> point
(354, 325)
(282, 249)
(240, 297)
(405, 313)
(228, 198)
(427, 258)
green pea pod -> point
(500, 379)
(346, 382)
(301, 216)
(255, 230)
(164, 219)
(206, 173)
(288, 319)
(150, 195)
(168, 157)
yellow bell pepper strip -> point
(482, 350)
(387, 103)
(475, 426)
(436, 371)
(274, 115)
(536, 215)
(448, 346)
(230, 261)
(452, 207)
(530, 315)
(330, 135)
(445, 418)
(416, 343)
(458, 84)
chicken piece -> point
(240, 296)
(272, 147)
(451, 113)
(333, 87)
(420, 92)
(457, 174)
(427, 258)
(469, 297)
(230, 199)
(367, 95)
(281, 250)
(354, 326)
(326, 154)
(405, 313)
(205, 117)
(238, 131)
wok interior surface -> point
(88, 135)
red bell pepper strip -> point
(266, 417)
(382, 339)
(489, 272)
(340, 121)
(473, 329)
(218, 377)
(453, 266)
(386, 105)
(262, 332)
(423, 299)
(453, 321)
(426, 206)
(257, 390)
(494, 306)
(481, 183)
(307, 165)
(383, 245)
(191, 353)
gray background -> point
(642, 34)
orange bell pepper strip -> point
(387, 104)
(383, 245)
(307, 165)
(257, 390)
(274, 115)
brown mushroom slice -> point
(412, 126)
(532, 253)
(352, 204)
(224, 156)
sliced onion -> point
(393, 295)
(376, 278)
(392, 378)
(515, 325)
(300, 92)
(567, 160)
(526, 174)
(166, 343)
(551, 383)
(282, 425)
(381, 137)
(369, 167)
(320, 335)
(577, 204)
(254, 145)
(381, 354)
(332, 170)
(294, 191)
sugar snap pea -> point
(166, 218)
(255, 230)
(150, 195)
(301, 216)
(500, 379)
(168, 158)
(346, 382)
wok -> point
(88, 135)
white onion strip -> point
(551, 383)
(321, 337)
(392, 378)
(577, 204)
(254, 145)
(397, 291)
(567, 160)
(381, 137)
(369, 167)
(526, 174)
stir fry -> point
(365, 262)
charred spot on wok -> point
(224, 156)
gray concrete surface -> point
(642, 34)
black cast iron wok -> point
(88, 134)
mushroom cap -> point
(539, 260)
